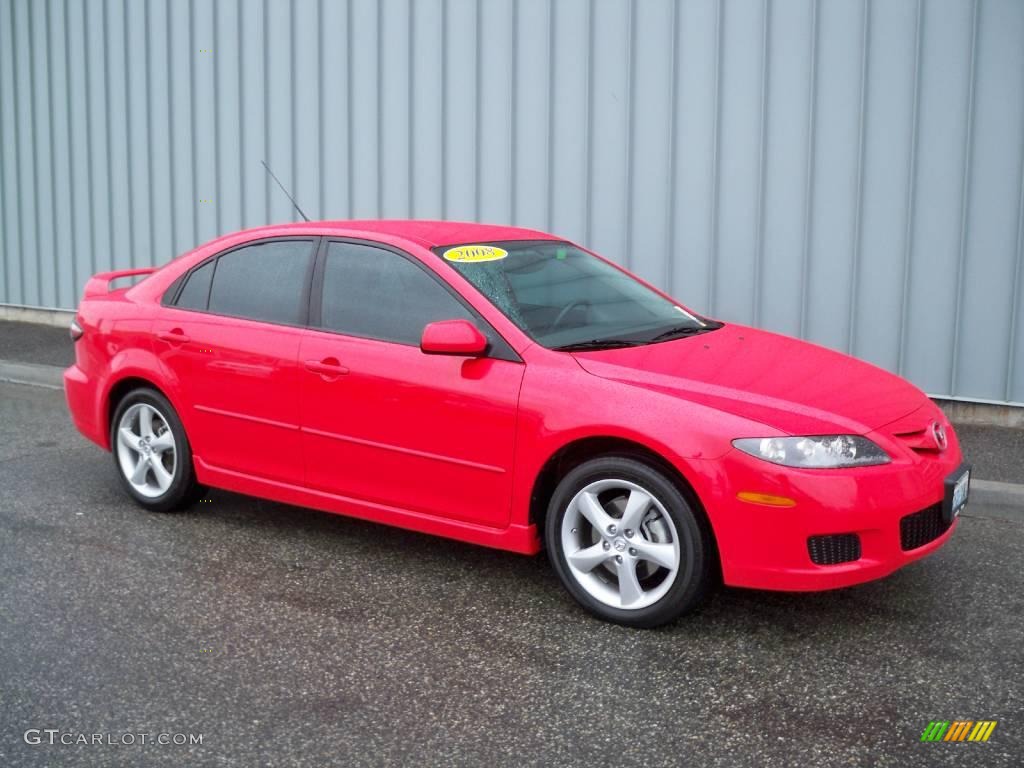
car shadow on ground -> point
(323, 538)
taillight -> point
(75, 330)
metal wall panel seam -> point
(627, 251)
(53, 163)
(3, 208)
(320, 108)
(709, 305)
(512, 90)
(588, 130)
(379, 75)
(88, 150)
(132, 256)
(349, 181)
(30, 10)
(192, 118)
(673, 161)
(762, 139)
(411, 109)
(965, 199)
(477, 118)
(170, 133)
(72, 216)
(858, 212)
(17, 161)
(217, 203)
(1015, 310)
(911, 207)
(295, 122)
(19, 212)
(266, 111)
(444, 107)
(3, 202)
(812, 98)
(242, 196)
(108, 258)
(550, 137)
(150, 203)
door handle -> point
(328, 367)
(175, 336)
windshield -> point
(565, 298)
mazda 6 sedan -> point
(508, 388)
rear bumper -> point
(766, 547)
(80, 394)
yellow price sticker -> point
(474, 253)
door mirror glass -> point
(453, 337)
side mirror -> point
(453, 337)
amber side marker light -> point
(765, 499)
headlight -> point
(819, 452)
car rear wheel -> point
(627, 544)
(152, 453)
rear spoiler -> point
(99, 283)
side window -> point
(378, 294)
(265, 281)
(196, 290)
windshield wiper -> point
(684, 330)
(579, 346)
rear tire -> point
(152, 453)
(626, 543)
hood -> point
(791, 385)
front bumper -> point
(765, 547)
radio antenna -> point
(301, 213)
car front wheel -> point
(627, 544)
(152, 453)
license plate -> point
(958, 487)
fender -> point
(544, 449)
(135, 363)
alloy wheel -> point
(620, 544)
(146, 450)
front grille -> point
(834, 549)
(918, 529)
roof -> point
(426, 233)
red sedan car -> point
(505, 387)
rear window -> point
(265, 281)
(196, 291)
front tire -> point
(626, 544)
(151, 452)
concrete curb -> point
(58, 318)
(1008, 496)
(48, 376)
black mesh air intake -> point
(834, 549)
(918, 529)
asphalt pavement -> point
(38, 344)
(290, 637)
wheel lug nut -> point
(606, 545)
(629, 533)
(612, 529)
(632, 552)
(618, 558)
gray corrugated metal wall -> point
(851, 171)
